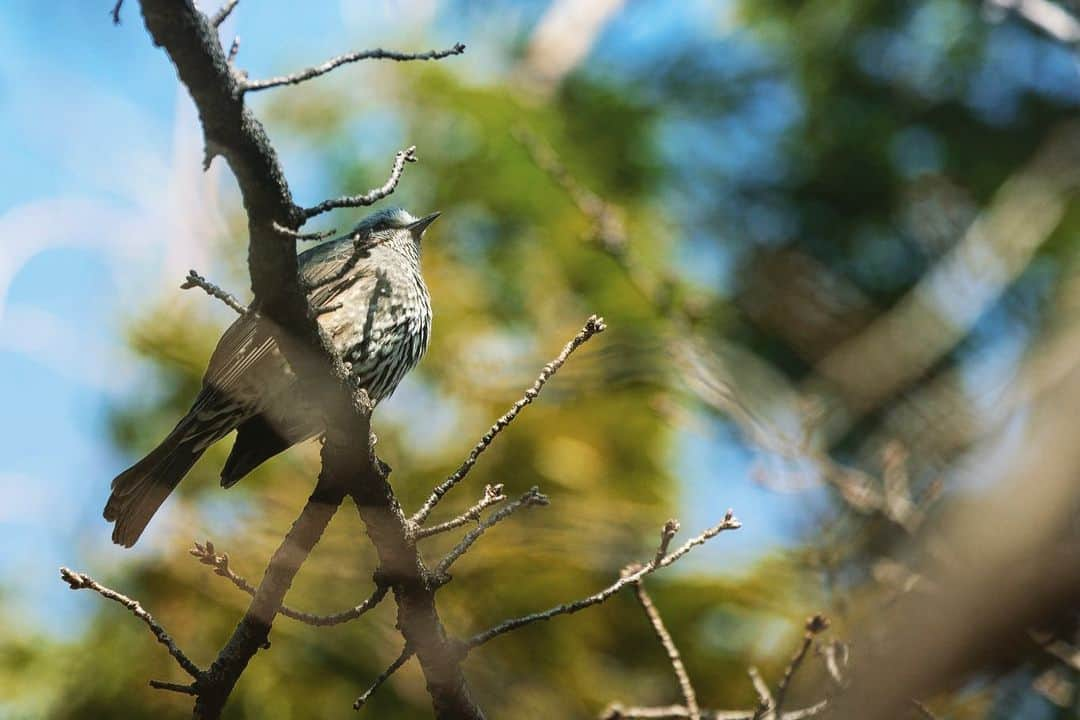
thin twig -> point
(492, 495)
(174, 687)
(80, 581)
(765, 698)
(403, 658)
(194, 279)
(531, 498)
(222, 15)
(297, 235)
(233, 50)
(667, 534)
(923, 710)
(814, 626)
(728, 523)
(835, 655)
(376, 54)
(407, 155)
(678, 712)
(593, 326)
(207, 556)
(685, 686)
(115, 12)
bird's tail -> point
(138, 492)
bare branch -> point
(194, 279)
(531, 498)
(296, 235)
(223, 14)
(207, 556)
(376, 54)
(231, 130)
(372, 196)
(685, 686)
(174, 687)
(923, 710)
(593, 326)
(814, 626)
(766, 704)
(492, 495)
(728, 523)
(678, 712)
(667, 534)
(835, 654)
(233, 50)
(406, 653)
(115, 12)
(80, 581)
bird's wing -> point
(243, 345)
(329, 269)
(229, 384)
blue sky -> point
(100, 167)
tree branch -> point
(814, 626)
(223, 13)
(406, 653)
(662, 634)
(532, 498)
(728, 523)
(194, 279)
(230, 129)
(371, 197)
(220, 563)
(80, 581)
(376, 54)
(617, 711)
(214, 687)
(593, 326)
(492, 495)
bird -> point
(368, 295)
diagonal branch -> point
(662, 634)
(593, 326)
(79, 581)
(814, 626)
(206, 555)
(492, 495)
(223, 13)
(371, 197)
(231, 130)
(728, 523)
(254, 628)
(194, 279)
(376, 54)
(532, 498)
(406, 653)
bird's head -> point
(395, 227)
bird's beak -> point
(417, 228)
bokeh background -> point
(836, 246)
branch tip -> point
(593, 326)
(408, 155)
(223, 13)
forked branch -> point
(220, 562)
(728, 523)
